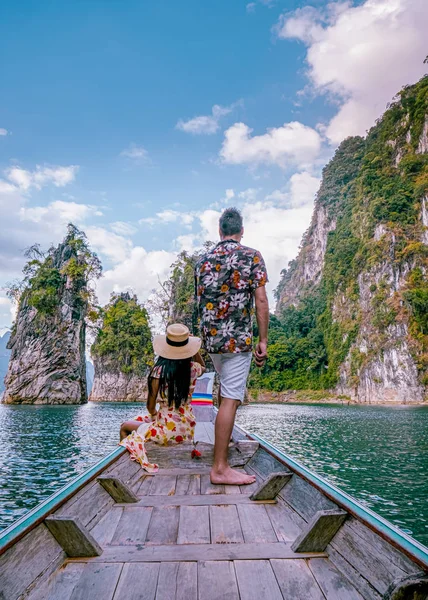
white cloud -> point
(361, 55)
(59, 213)
(251, 7)
(300, 191)
(169, 216)
(140, 272)
(205, 124)
(136, 153)
(25, 180)
(3, 131)
(293, 143)
(249, 195)
(122, 228)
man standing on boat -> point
(230, 279)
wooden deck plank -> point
(163, 485)
(138, 581)
(163, 527)
(232, 489)
(60, 584)
(255, 523)
(104, 530)
(331, 581)
(256, 580)
(194, 525)
(194, 485)
(193, 500)
(182, 485)
(145, 486)
(296, 580)
(177, 581)
(132, 526)
(217, 581)
(286, 522)
(304, 498)
(209, 488)
(196, 552)
(225, 525)
(97, 582)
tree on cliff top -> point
(124, 338)
(174, 302)
(70, 266)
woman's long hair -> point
(174, 380)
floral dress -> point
(168, 426)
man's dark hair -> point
(231, 222)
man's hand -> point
(260, 354)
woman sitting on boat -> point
(171, 382)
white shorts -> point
(232, 370)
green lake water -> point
(377, 454)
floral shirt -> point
(226, 279)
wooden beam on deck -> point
(270, 487)
(117, 489)
(319, 531)
(73, 537)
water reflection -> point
(377, 454)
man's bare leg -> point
(221, 473)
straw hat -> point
(177, 343)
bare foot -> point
(229, 476)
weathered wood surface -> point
(225, 525)
(24, 562)
(60, 584)
(138, 581)
(132, 527)
(265, 464)
(194, 500)
(359, 582)
(255, 523)
(296, 580)
(319, 531)
(271, 486)
(332, 583)
(194, 525)
(163, 527)
(117, 489)
(177, 581)
(256, 580)
(287, 524)
(238, 455)
(73, 537)
(97, 582)
(145, 486)
(376, 566)
(104, 530)
(90, 507)
(217, 581)
(304, 498)
(163, 485)
(195, 552)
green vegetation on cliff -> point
(124, 338)
(71, 265)
(371, 186)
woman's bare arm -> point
(152, 396)
(198, 358)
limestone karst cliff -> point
(122, 352)
(352, 310)
(47, 343)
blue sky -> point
(98, 107)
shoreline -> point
(314, 397)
